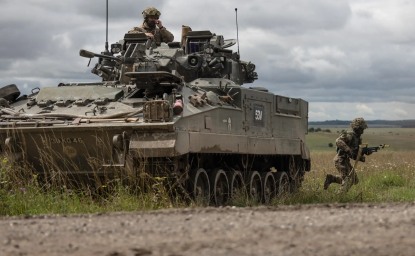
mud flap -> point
(305, 153)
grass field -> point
(386, 176)
(399, 139)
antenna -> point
(106, 42)
(237, 34)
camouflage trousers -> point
(343, 165)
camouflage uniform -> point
(160, 35)
(341, 161)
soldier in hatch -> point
(345, 143)
(153, 27)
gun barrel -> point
(86, 54)
(90, 55)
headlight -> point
(193, 61)
(116, 48)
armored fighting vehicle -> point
(179, 110)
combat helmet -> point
(151, 11)
(358, 123)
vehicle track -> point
(329, 229)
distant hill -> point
(395, 123)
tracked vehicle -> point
(179, 110)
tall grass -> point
(384, 177)
(63, 187)
(23, 193)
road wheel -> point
(254, 184)
(200, 188)
(9, 92)
(236, 183)
(283, 184)
(219, 186)
(270, 187)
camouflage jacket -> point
(348, 140)
(160, 35)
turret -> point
(203, 55)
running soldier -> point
(345, 143)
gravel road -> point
(335, 229)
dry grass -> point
(58, 188)
(387, 176)
(22, 192)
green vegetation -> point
(318, 129)
(399, 139)
(33, 200)
(386, 176)
(22, 193)
(371, 123)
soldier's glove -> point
(362, 159)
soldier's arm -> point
(342, 142)
(166, 36)
(136, 30)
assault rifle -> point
(365, 151)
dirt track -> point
(356, 229)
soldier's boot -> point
(332, 179)
(327, 182)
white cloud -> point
(362, 109)
(318, 115)
(350, 57)
(348, 111)
(62, 39)
(400, 112)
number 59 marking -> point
(258, 115)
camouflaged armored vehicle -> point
(179, 110)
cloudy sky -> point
(349, 59)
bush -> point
(327, 130)
(330, 145)
(311, 129)
(318, 130)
